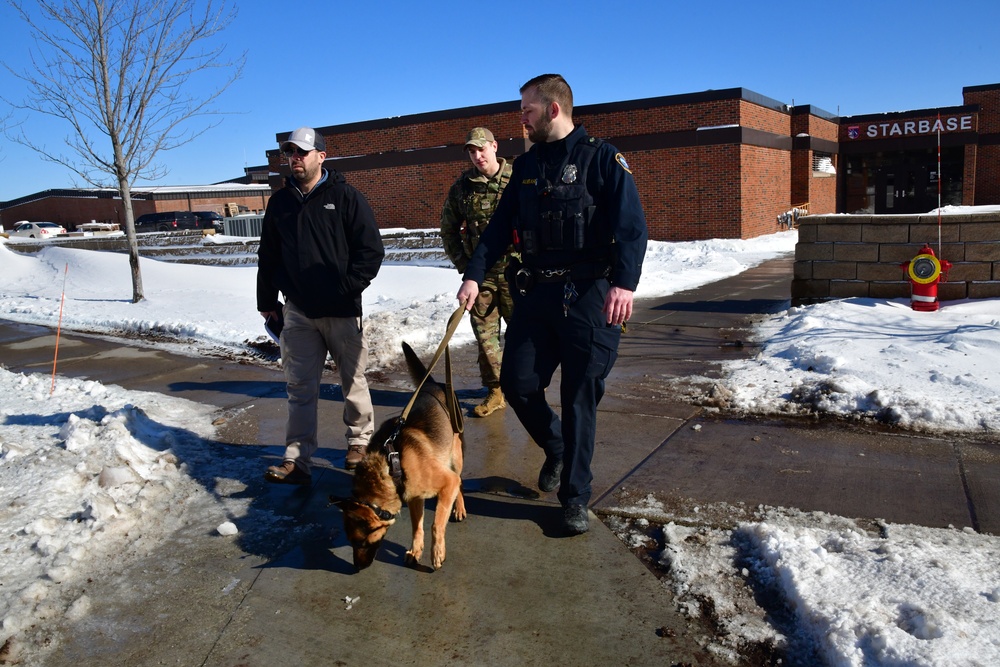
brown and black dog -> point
(431, 460)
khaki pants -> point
(305, 343)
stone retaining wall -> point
(843, 256)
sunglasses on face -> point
(294, 151)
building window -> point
(823, 166)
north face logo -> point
(330, 207)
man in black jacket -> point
(320, 247)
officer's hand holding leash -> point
(618, 306)
(467, 293)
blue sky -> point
(330, 62)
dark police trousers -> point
(539, 338)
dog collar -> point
(385, 515)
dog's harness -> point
(451, 401)
(451, 405)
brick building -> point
(72, 207)
(716, 164)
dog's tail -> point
(416, 367)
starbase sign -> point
(911, 128)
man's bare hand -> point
(618, 305)
(467, 294)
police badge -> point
(569, 174)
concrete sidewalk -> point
(511, 592)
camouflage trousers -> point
(492, 304)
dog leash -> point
(457, 421)
(454, 413)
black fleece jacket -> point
(321, 251)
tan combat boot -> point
(493, 402)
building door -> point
(902, 188)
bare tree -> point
(3, 128)
(119, 72)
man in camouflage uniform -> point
(471, 202)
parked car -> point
(209, 220)
(166, 221)
(37, 230)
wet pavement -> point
(512, 592)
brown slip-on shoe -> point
(354, 455)
(288, 473)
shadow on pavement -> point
(732, 306)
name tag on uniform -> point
(484, 205)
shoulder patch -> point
(620, 159)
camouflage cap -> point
(479, 137)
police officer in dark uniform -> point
(572, 210)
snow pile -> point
(93, 477)
(823, 589)
(877, 359)
(211, 309)
(914, 596)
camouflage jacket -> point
(471, 202)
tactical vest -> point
(480, 196)
(558, 224)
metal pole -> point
(58, 330)
(939, 179)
